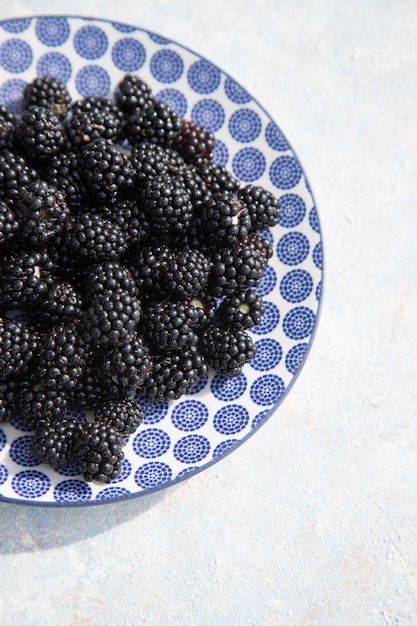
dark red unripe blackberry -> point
(241, 310)
(17, 347)
(167, 203)
(8, 223)
(48, 92)
(133, 93)
(226, 350)
(125, 416)
(194, 142)
(157, 123)
(7, 126)
(39, 133)
(53, 441)
(262, 205)
(25, 279)
(111, 318)
(106, 170)
(15, 175)
(167, 326)
(98, 451)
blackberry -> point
(62, 303)
(25, 279)
(148, 160)
(9, 394)
(225, 220)
(241, 310)
(217, 177)
(48, 92)
(8, 223)
(103, 105)
(146, 266)
(39, 133)
(61, 357)
(127, 365)
(130, 218)
(202, 311)
(194, 142)
(166, 201)
(226, 350)
(133, 93)
(111, 318)
(63, 171)
(98, 451)
(92, 388)
(53, 442)
(108, 276)
(185, 273)
(167, 326)
(106, 170)
(260, 246)
(37, 403)
(7, 127)
(85, 126)
(200, 195)
(17, 347)
(262, 205)
(156, 123)
(125, 416)
(42, 212)
(15, 174)
(173, 375)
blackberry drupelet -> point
(107, 171)
(111, 318)
(61, 357)
(42, 212)
(225, 220)
(133, 93)
(185, 273)
(8, 223)
(25, 279)
(167, 326)
(48, 92)
(127, 365)
(167, 203)
(226, 350)
(262, 205)
(17, 347)
(39, 133)
(98, 451)
(156, 123)
(53, 441)
(125, 416)
(7, 126)
(15, 175)
(241, 310)
(194, 142)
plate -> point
(179, 439)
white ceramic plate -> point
(186, 436)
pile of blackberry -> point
(129, 262)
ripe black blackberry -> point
(166, 201)
(225, 220)
(85, 126)
(42, 212)
(92, 388)
(239, 267)
(103, 105)
(107, 171)
(125, 416)
(130, 218)
(241, 310)
(15, 175)
(262, 205)
(53, 441)
(17, 347)
(61, 303)
(146, 266)
(7, 126)
(8, 223)
(133, 93)
(156, 123)
(63, 171)
(60, 358)
(167, 326)
(148, 160)
(98, 451)
(202, 311)
(127, 365)
(260, 246)
(226, 350)
(48, 92)
(217, 177)
(107, 276)
(37, 403)
(25, 279)
(39, 133)
(185, 273)
(9, 394)
(173, 375)
(111, 318)
(194, 142)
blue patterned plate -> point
(180, 439)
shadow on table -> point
(31, 529)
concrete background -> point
(313, 521)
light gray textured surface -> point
(314, 519)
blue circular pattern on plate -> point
(245, 125)
(231, 419)
(72, 490)
(166, 66)
(235, 92)
(285, 172)
(267, 389)
(52, 31)
(189, 415)
(228, 389)
(18, 422)
(275, 139)
(174, 99)
(248, 164)
(15, 55)
(268, 354)
(293, 248)
(296, 286)
(198, 387)
(153, 474)
(54, 64)
(90, 42)
(151, 443)
(31, 484)
(203, 77)
(191, 448)
(295, 357)
(208, 113)
(21, 451)
(293, 210)
(128, 54)
(299, 323)
(218, 414)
